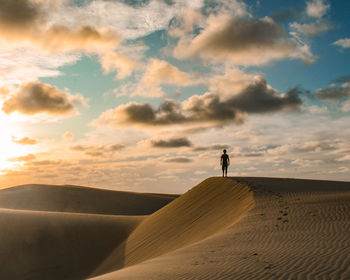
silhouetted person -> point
(225, 162)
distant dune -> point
(78, 199)
(224, 228)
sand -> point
(58, 232)
(234, 228)
(77, 199)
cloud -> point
(254, 96)
(169, 112)
(19, 14)
(317, 8)
(113, 61)
(241, 41)
(161, 72)
(60, 38)
(171, 143)
(313, 28)
(158, 72)
(68, 136)
(342, 79)
(21, 63)
(346, 106)
(4, 91)
(97, 150)
(213, 147)
(314, 109)
(36, 97)
(318, 24)
(258, 97)
(334, 92)
(344, 43)
(287, 14)
(24, 141)
(28, 22)
(179, 160)
(27, 158)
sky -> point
(144, 95)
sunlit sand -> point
(223, 228)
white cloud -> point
(317, 8)
(346, 106)
(314, 109)
(344, 43)
(313, 28)
(20, 63)
(129, 21)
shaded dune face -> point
(49, 245)
(208, 208)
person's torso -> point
(224, 159)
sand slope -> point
(234, 228)
(299, 229)
(64, 245)
(208, 208)
(51, 245)
(81, 200)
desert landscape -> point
(174, 140)
(223, 228)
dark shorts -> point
(224, 167)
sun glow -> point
(9, 149)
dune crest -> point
(210, 207)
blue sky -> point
(144, 95)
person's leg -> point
(226, 171)
(223, 170)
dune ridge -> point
(208, 208)
(298, 229)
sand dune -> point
(61, 244)
(213, 205)
(234, 228)
(81, 200)
(51, 245)
(299, 229)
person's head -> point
(224, 151)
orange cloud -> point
(97, 150)
(68, 136)
(82, 38)
(4, 91)
(24, 141)
(158, 72)
(112, 61)
(35, 97)
(26, 21)
(161, 72)
(27, 158)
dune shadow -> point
(38, 245)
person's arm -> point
(228, 160)
(221, 160)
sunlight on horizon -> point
(9, 149)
